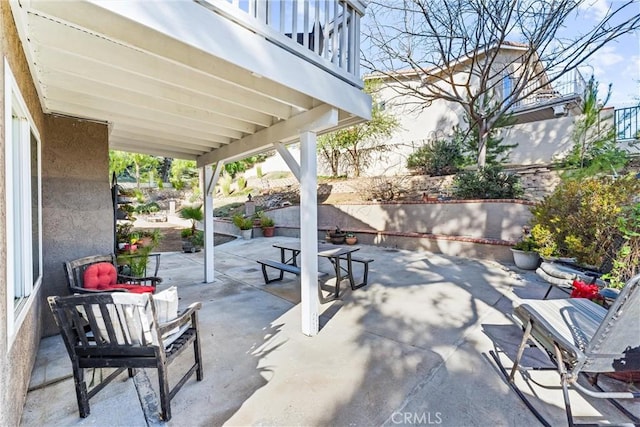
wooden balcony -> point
(327, 33)
(196, 79)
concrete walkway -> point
(411, 348)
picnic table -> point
(340, 256)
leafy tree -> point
(357, 144)
(496, 150)
(193, 213)
(143, 163)
(453, 49)
(122, 162)
(165, 168)
(595, 148)
(119, 162)
(183, 172)
(329, 148)
(236, 167)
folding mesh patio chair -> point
(580, 336)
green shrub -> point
(197, 239)
(242, 183)
(123, 232)
(528, 245)
(147, 208)
(225, 183)
(490, 182)
(259, 172)
(242, 223)
(266, 221)
(437, 159)
(544, 239)
(581, 218)
(139, 195)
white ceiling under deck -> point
(165, 95)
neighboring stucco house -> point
(207, 80)
(544, 120)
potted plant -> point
(525, 255)
(149, 238)
(268, 225)
(350, 239)
(192, 239)
(244, 224)
(336, 236)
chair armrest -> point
(184, 317)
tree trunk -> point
(483, 136)
(166, 169)
(138, 175)
(335, 164)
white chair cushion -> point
(166, 303)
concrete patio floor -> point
(410, 348)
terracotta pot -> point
(351, 240)
(268, 231)
(145, 241)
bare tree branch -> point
(455, 50)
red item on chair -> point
(103, 276)
(583, 290)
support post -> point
(309, 233)
(208, 184)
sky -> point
(618, 62)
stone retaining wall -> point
(537, 182)
(483, 229)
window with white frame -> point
(24, 207)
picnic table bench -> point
(335, 254)
(278, 266)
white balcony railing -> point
(325, 32)
(568, 85)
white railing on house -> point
(567, 85)
(324, 32)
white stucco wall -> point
(541, 141)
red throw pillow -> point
(102, 275)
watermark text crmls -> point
(417, 418)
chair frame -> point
(583, 353)
(90, 348)
(75, 271)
